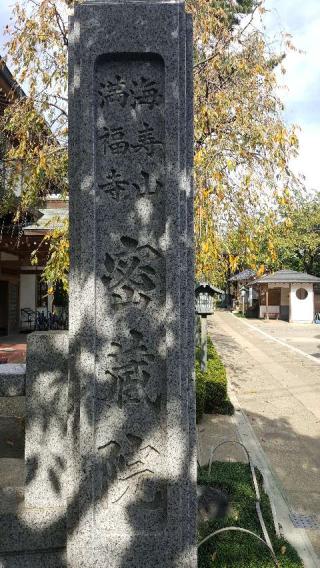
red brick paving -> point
(13, 350)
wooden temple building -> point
(289, 295)
(22, 291)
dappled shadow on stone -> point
(129, 479)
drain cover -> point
(305, 521)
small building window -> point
(301, 293)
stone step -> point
(12, 434)
(12, 379)
(11, 500)
(12, 473)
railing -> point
(42, 321)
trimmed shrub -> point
(216, 385)
(211, 386)
(200, 392)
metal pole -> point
(197, 331)
(204, 343)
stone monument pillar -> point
(132, 454)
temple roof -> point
(244, 275)
(8, 86)
(287, 276)
(205, 286)
(51, 217)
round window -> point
(301, 294)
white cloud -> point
(5, 12)
(302, 97)
(308, 161)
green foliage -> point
(233, 549)
(211, 386)
(243, 147)
(235, 9)
(298, 235)
(35, 127)
(200, 392)
(57, 268)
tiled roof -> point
(287, 276)
(209, 286)
(244, 275)
(50, 219)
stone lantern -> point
(204, 295)
(244, 294)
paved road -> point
(13, 348)
(279, 390)
(297, 336)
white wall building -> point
(288, 295)
(23, 293)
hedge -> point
(211, 385)
(200, 392)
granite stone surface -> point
(46, 419)
(31, 530)
(131, 431)
(12, 380)
(50, 559)
(190, 301)
(33, 518)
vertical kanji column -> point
(132, 499)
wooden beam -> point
(10, 263)
(267, 302)
(9, 266)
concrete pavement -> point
(278, 388)
(296, 336)
(216, 429)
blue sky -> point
(302, 96)
(4, 16)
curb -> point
(298, 538)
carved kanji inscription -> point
(118, 186)
(130, 130)
(117, 142)
(130, 213)
(142, 91)
(129, 373)
(130, 460)
(130, 468)
(131, 276)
